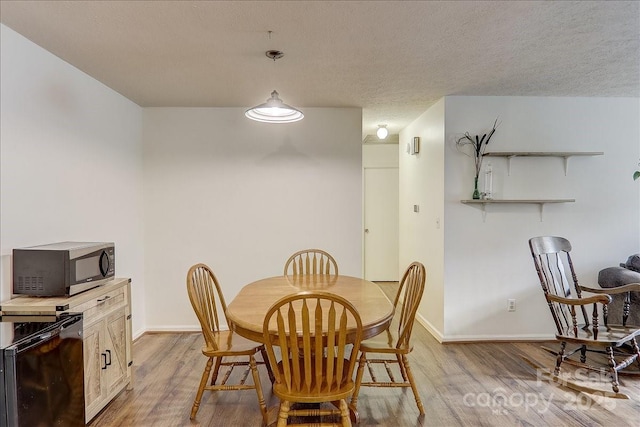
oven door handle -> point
(48, 335)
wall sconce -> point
(413, 147)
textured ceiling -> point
(393, 59)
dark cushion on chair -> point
(613, 277)
(633, 263)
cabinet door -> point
(94, 387)
(115, 348)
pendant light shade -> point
(274, 111)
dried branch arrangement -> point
(478, 145)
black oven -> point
(41, 371)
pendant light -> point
(274, 110)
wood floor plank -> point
(475, 384)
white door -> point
(381, 228)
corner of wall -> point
(422, 233)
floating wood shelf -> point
(566, 155)
(540, 202)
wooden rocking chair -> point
(551, 256)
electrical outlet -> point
(511, 305)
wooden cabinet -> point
(106, 366)
(106, 336)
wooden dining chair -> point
(395, 340)
(569, 309)
(209, 305)
(312, 331)
(311, 262)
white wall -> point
(488, 262)
(71, 161)
(380, 155)
(473, 265)
(242, 196)
(422, 233)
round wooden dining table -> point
(247, 310)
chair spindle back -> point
(314, 357)
(410, 290)
(552, 259)
(311, 262)
(207, 301)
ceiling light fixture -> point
(274, 110)
(382, 131)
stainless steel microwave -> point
(64, 268)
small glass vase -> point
(476, 193)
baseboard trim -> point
(138, 335)
(430, 328)
(460, 339)
(174, 329)
(497, 338)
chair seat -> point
(230, 344)
(317, 392)
(383, 343)
(612, 335)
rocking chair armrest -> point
(629, 287)
(603, 299)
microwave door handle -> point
(104, 263)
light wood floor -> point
(478, 384)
